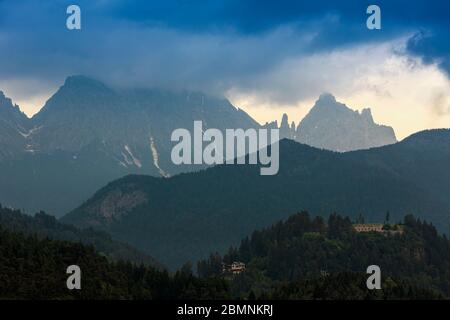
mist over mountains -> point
(88, 134)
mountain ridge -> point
(334, 126)
(209, 210)
(88, 134)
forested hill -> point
(302, 249)
(33, 268)
(187, 216)
(46, 226)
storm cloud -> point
(214, 46)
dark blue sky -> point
(207, 45)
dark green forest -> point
(188, 216)
(349, 286)
(43, 225)
(300, 258)
(33, 268)
(304, 251)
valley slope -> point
(190, 215)
(44, 226)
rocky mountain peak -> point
(366, 114)
(334, 126)
(11, 113)
(325, 99)
(5, 102)
(286, 131)
(80, 81)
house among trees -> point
(368, 227)
(234, 268)
(378, 227)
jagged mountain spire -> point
(286, 131)
(332, 125)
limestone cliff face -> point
(332, 125)
(13, 124)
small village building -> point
(378, 227)
(368, 227)
(236, 267)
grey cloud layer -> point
(172, 44)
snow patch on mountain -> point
(135, 160)
(30, 132)
(156, 158)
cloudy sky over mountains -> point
(266, 57)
